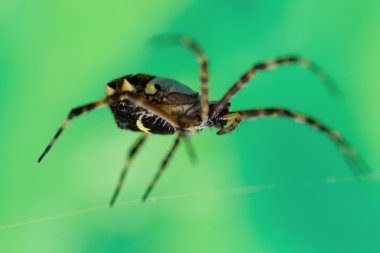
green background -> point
(56, 55)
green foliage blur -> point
(56, 55)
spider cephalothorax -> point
(156, 105)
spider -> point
(156, 105)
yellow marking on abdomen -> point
(127, 86)
(109, 91)
(141, 126)
(150, 89)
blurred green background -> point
(56, 55)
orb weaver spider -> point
(155, 105)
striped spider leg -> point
(127, 165)
(190, 150)
(281, 61)
(162, 167)
(357, 165)
(98, 104)
(235, 118)
(133, 152)
(203, 64)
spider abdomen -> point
(135, 118)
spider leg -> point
(234, 119)
(251, 73)
(74, 112)
(126, 166)
(141, 101)
(203, 62)
(203, 72)
(190, 150)
(355, 162)
(162, 167)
